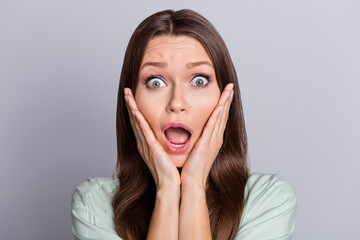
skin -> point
(178, 99)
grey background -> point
(60, 61)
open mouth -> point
(177, 137)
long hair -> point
(134, 200)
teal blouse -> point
(269, 211)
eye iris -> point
(156, 84)
(199, 82)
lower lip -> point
(176, 150)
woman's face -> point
(177, 84)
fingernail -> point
(126, 91)
(228, 95)
(230, 86)
(133, 112)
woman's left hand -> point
(197, 167)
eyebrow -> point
(164, 65)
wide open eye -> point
(200, 80)
(155, 82)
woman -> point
(182, 147)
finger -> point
(228, 108)
(130, 100)
(225, 113)
(140, 139)
(223, 116)
(142, 145)
(225, 94)
(135, 125)
(131, 115)
(144, 126)
(229, 87)
(220, 127)
(210, 125)
(214, 118)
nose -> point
(177, 102)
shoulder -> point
(268, 187)
(95, 188)
(270, 205)
(91, 208)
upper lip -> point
(176, 125)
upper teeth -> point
(176, 145)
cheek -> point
(203, 111)
(146, 106)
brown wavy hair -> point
(134, 200)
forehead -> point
(170, 48)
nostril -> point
(181, 110)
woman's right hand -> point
(158, 161)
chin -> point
(179, 160)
